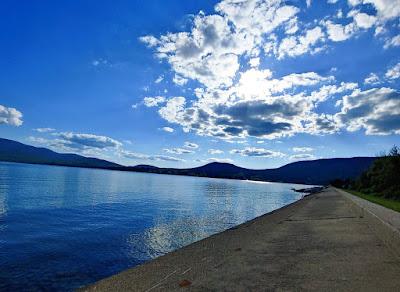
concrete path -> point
(324, 242)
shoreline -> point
(155, 173)
(321, 236)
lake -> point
(62, 227)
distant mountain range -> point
(320, 171)
(13, 151)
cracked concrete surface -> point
(324, 242)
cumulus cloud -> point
(96, 146)
(191, 145)
(257, 152)
(209, 52)
(392, 42)
(215, 159)
(179, 80)
(254, 62)
(153, 101)
(338, 32)
(159, 79)
(178, 151)
(167, 129)
(298, 45)
(234, 97)
(81, 141)
(44, 130)
(394, 72)
(302, 149)
(364, 20)
(173, 110)
(215, 151)
(372, 78)
(386, 9)
(10, 116)
(302, 156)
(376, 110)
(257, 105)
(141, 156)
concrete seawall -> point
(327, 241)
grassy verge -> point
(388, 203)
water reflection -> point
(65, 227)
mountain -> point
(13, 151)
(318, 172)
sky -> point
(257, 83)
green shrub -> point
(383, 177)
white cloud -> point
(38, 140)
(394, 72)
(100, 62)
(209, 52)
(173, 110)
(159, 79)
(179, 80)
(234, 102)
(141, 156)
(86, 144)
(217, 159)
(372, 78)
(44, 130)
(338, 32)
(364, 20)
(308, 3)
(151, 41)
(392, 42)
(168, 129)
(257, 105)
(302, 156)
(387, 9)
(354, 2)
(299, 45)
(10, 116)
(178, 151)
(133, 155)
(215, 151)
(302, 149)
(254, 62)
(166, 158)
(153, 101)
(332, 1)
(191, 145)
(376, 110)
(81, 141)
(257, 152)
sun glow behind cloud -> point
(235, 102)
(255, 73)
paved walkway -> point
(324, 242)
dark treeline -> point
(382, 178)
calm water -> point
(61, 228)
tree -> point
(383, 177)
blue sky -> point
(182, 83)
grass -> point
(388, 203)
